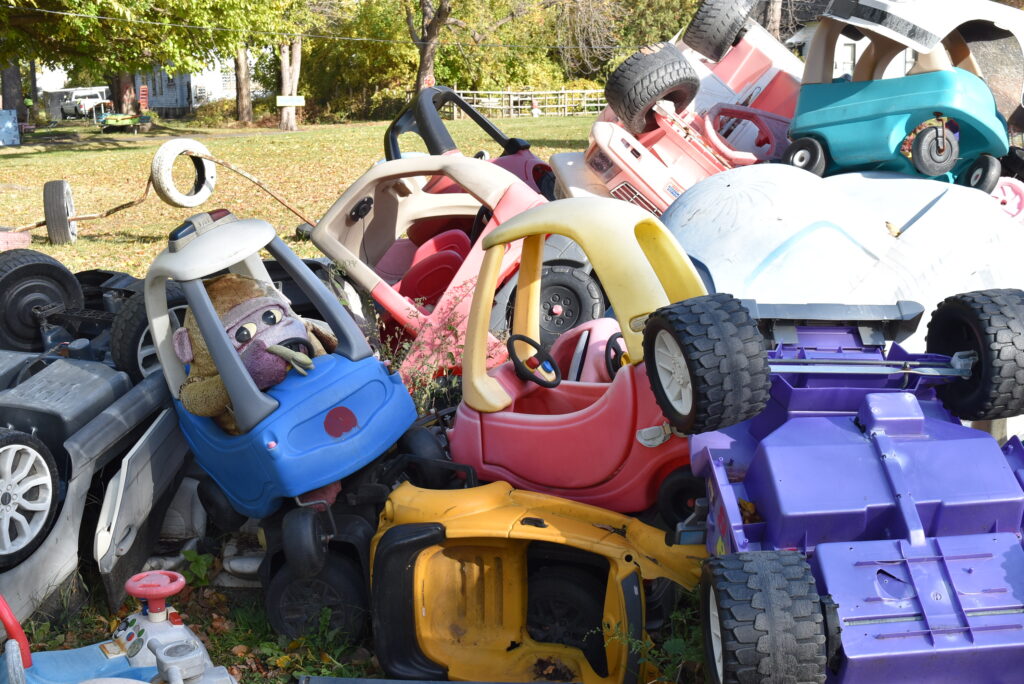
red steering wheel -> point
(14, 631)
(155, 586)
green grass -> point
(310, 168)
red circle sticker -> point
(429, 81)
(339, 420)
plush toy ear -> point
(182, 345)
(320, 336)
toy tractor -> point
(298, 455)
(860, 531)
(617, 423)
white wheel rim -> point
(26, 494)
(673, 373)
(715, 626)
(145, 355)
(976, 177)
(802, 158)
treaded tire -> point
(39, 522)
(656, 72)
(129, 333)
(991, 323)
(58, 206)
(717, 26)
(769, 618)
(710, 345)
(578, 295)
(565, 605)
(29, 279)
(561, 275)
(294, 603)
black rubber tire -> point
(770, 619)
(29, 279)
(1013, 163)
(928, 159)
(725, 361)
(678, 494)
(576, 292)
(294, 604)
(424, 444)
(983, 174)
(58, 206)
(131, 328)
(12, 437)
(808, 154)
(302, 540)
(656, 72)
(218, 508)
(717, 26)
(565, 605)
(991, 323)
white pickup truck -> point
(80, 103)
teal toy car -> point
(940, 120)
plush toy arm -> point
(205, 396)
(321, 338)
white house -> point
(848, 51)
(173, 94)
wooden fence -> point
(498, 104)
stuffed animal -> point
(266, 333)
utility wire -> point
(325, 36)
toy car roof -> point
(922, 24)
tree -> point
(11, 89)
(291, 61)
(243, 85)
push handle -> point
(155, 586)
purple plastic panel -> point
(951, 610)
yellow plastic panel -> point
(480, 391)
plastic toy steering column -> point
(155, 587)
(526, 370)
(14, 631)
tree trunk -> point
(243, 83)
(122, 92)
(428, 52)
(34, 90)
(774, 14)
(291, 63)
(11, 89)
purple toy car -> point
(860, 532)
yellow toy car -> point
(498, 584)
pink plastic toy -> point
(1010, 195)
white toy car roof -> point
(923, 24)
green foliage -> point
(221, 113)
(197, 570)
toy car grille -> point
(628, 193)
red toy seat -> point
(434, 266)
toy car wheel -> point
(305, 548)
(657, 72)
(678, 494)
(131, 343)
(989, 323)
(426, 448)
(568, 297)
(717, 26)
(58, 206)
(760, 612)
(295, 604)
(29, 495)
(808, 154)
(706, 363)
(30, 279)
(565, 605)
(983, 174)
(934, 155)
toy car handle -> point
(423, 116)
(14, 631)
(754, 116)
(155, 586)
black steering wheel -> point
(542, 357)
(613, 353)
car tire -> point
(717, 26)
(294, 603)
(131, 344)
(706, 363)
(656, 72)
(991, 324)
(24, 460)
(58, 207)
(565, 605)
(983, 174)
(678, 494)
(162, 173)
(29, 279)
(931, 161)
(808, 154)
(760, 611)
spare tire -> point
(58, 207)
(717, 26)
(656, 72)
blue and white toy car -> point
(317, 432)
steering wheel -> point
(542, 358)
(613, 353)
